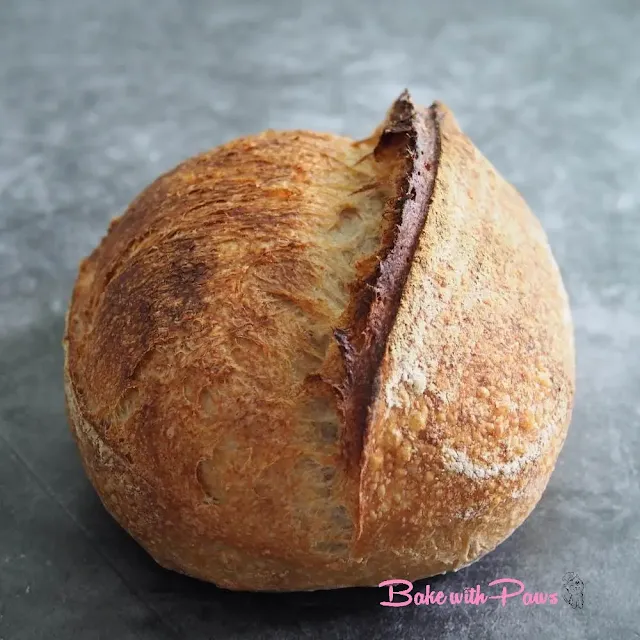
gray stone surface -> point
(98, 97)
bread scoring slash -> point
(299, 361)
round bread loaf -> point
(300, 361)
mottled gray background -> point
(97, 97)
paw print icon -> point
(573, 590)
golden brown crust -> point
(478, 374)
(372, 355)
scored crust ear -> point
(407, 151)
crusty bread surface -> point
(300, 361)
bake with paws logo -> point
(401, 593)
(573, 590)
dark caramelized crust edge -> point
(411, 134)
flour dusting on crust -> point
(459, 462)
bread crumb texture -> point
(215, 359)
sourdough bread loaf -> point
(300, 361)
